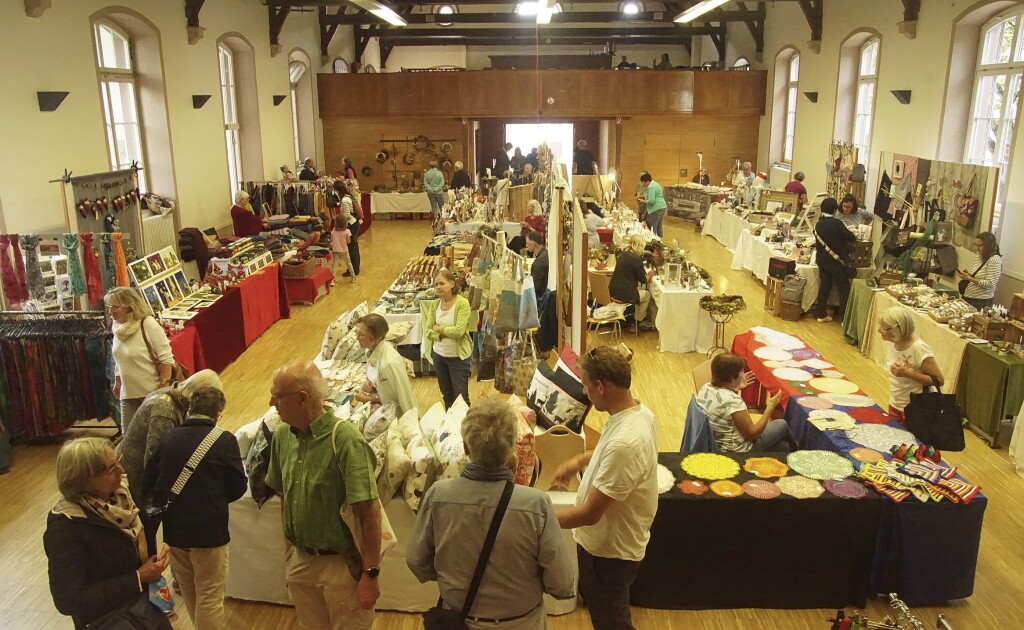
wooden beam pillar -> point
(718, 39)
(327, 32)
(192, 29)
(814, 12)
(911, 10)
(276, 18)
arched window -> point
(995, 110)
(295, 71)
(867, 84)
(792, 81)
(741, 63)
(341, 66)
(232, 129)
(119, 89)
(302, 104)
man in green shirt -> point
(331, 585)
(433, 181)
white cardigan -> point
(132, 362)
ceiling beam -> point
(756, 27)
(569, 17)
(500, 34)
(813, 11)
(277, 16)
(327, 33)
(192, 29)
(529, 41)
(911, 10)
(718, 38)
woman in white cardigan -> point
(139, 368)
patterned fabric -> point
(19, 267)
(121, 511)
(107, 268)
(33, 274)
(121, 264)
(75, 273)
(9, 280)
(93, 281)
(719, 404)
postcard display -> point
(160, 278)
(245, 259)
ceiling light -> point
(382, 11)
(699, 9)
(631, 8)
(527, 8)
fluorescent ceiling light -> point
(382, 11)
(699, 9)
(544, 16)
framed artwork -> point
(153, 298)
(183, 286)
(899, 169)
(156, 264)
(204, 305)
(169, 258)
(186, 304)
(165, 293)
(140, 271)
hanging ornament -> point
(81, 210)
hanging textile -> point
(33, 274)
(120, 263)
(19, 267)
(75, 273)
(93, 281)
(107, 268)
(12, 290)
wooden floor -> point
(661, 380)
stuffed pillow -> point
(407, 427)
(398, 330)
(379, 421)
(556, 395)
(396, 467)
(423, 463)
(431, 421)
(379, 446)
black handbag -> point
(138, 614)
(963, 284)
(935, 419)
(441, 618)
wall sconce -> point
(278, 99)
(811, 96)
(198, 100)
(903, 96)
(50, 101)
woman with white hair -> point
(143, 360)
(528, 558)
(244, 221)
(460, 178)
(535, 220)
(912, 365)
(627, 278)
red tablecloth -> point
(308, 289)
(187, 350)
(264, 301)
(219, 329)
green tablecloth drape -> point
(990, 387)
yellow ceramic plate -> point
(834, 385)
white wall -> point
(55, 53)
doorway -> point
(558, 137)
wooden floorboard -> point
(661, 380)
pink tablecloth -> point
(308, 289)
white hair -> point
(241, 198)
(900, 320)
(458, 166)
(534, 207)
(199, 380)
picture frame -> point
(899, 169)
(156, 264)
(141, 272)
(182, 282)
(153, 297)
(166, 296)
(169, 258)
(60, 265)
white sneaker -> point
(822, 320)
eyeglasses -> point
(113, 469)
(276, 396)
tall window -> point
(792, 78)
(867, 82)
(996, 91)
(231, 127)
(118, 90)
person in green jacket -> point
(447, 343)
(654, 198)
(433, 181)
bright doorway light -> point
(558, 137)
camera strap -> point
(193, 463)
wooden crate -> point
(1015, 333)
(885, 279)
(861, 254)
(773, 296)
(791, 311)
(987, 329)
(1017, 307)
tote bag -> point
(528, 317)
(510, 302)
(935, 419)
(524, 365)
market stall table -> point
(510, 228)
(724, 226)
(990, 389)
(187, 350)
(400, 203)
(308, 289)
(709, 551)
(683, 326)
(264, 301)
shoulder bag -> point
(441, 618)
(935, 419)
(963, 284)
(204, 447)
(388, 539)
(178, 371)
(138, 614)
(845, 263)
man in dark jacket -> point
(832, 240)
(539, 269)
(196, 522)
(307, 172)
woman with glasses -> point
(912, 365)
(447, 344)
(96, 549)
(387, 380)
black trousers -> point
(452, 377)
(604, 585)
(353, 246)
(829, 275)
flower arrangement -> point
(723, 304)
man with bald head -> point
(317, 464)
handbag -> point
(257, 466)
(388, 539)
(503, 368)
(510, 301)
(963, 284)
(968, 207)
(441, 618)
(528, 317)
(935, 419)
(524, 365)
(138, 614)
(178, 371)
(846, 263)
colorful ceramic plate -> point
(834, 386)
(866, 455)
(849, 400)
(800, 487)
(817, 364)
(760, 489)
(846, 489)
(765, 467)
(692, 486)
(772, 354)
(665, 479)
(727, 489)
(814, 402)
(710, 466)
(791, 374)
(820, 464)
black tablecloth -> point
(712, 552)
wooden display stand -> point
(773, 296)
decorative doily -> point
(866, 455)
(791, 374)
(775, 364)
(805, 354)
(814, 402)
(727, 489)
(832, 374)
(710, 466)
(772, 354)
(777, 339)
(880, 437)
(665, 479)
(849, 400)
(800, 487)
(817, 364)
(871, 415)
(765, 467)
(831, 420)
(846, 489)
(820, 464)
(692, 486)
(834, 385)
(760, 489)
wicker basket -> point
(792, 311)
(298, 272)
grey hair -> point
(489, 431)
(207, 401)
(305, 376)
(199, 380)
(534, 206)
(132, 298)
(458, 166)
(900, 319)
(241, 197)
(78, 462)
(747, 165)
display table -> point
(186, 349)
(308, 289)
(709, 551)
(415, 335)
(724, 226)
(683, 326)
(858, 306)
(510, 228)
(366, 202)
(990, 388)
(264, 301)
(399, 203)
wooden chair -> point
(701, 375)
(599, 291)
(554, 447)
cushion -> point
(431, 421)
(379, 421)
(556, 394)
(396, 466)
(360, 414)
(422, 461)
(335, 332)
(398, 330)
(379, 446)
(407, 427)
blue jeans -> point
(655, 220)
(452, 377)
(436, 201)
(776, 438)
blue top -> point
(433, 181)
(655, 198)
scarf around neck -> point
(477, 472)
(126, 330)
(121, 512)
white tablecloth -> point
(725, 227)
(386, 203)
(683, 326)
(511, 229)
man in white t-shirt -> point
(618, 496)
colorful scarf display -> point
(120, 262)
(19, 267)
(33, 274)
(12, 290)
(93, 281)
(107, 269)
(75, 273)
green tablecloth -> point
(857, 307)
(990, 387)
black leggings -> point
(353, 246)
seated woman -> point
(734, 428)
(386, 378)
(243, 220)
(912, 365)
(629, 274)
(535, 220)
(592, 222)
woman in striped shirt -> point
(980, 285)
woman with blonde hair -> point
(911, 362)
(629, 275)
(143, 361)
(447, 343)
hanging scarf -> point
(109, 275)
(9, 281)
(75, 273)
(120, 263)
(19, 267)
(33, 274)
(122, 512)
(93, 281)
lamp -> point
(698, 10)
(198, 100)
(50, 101)
(545, 8)
(382, 11)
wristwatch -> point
(372, 572)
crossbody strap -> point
(193, 462)
(485, 553)
(827, 248)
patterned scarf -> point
(34, 275)
(7, 277)
(93, 281)
(75, 273)
(109, 276)
(121, 511)
(120, 263)
(19, 267)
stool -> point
(773, 296)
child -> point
(340, 239)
